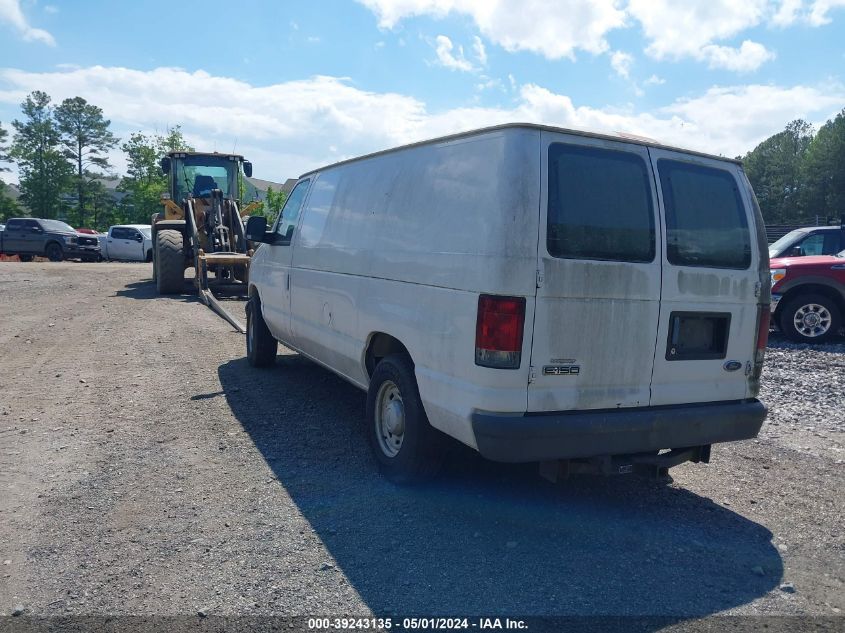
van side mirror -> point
(256, 230)
(165, 164)
(247, 169)
(795, 251)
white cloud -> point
(749, 56)
(819, 11)
(527, 25)
(452, 61)
(787, 13)
(654, 80)
(621, 63)
(51, 8)
(480, 51)
(676, 30)
(289, 128)
(679, 29)
(11, 13)
(814, 12)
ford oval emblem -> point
(732, 365)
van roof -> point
(624, 137)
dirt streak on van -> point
(533, 292)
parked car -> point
(536, 293)
(56, 240)
(127, 242)
(808, 296)
(814, 240)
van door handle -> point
(838, 267)
(287, 281)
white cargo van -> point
(537, 293)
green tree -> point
(774, 169)
(44, 172)
(8, 207)
(4, 149)
(271, 205)
(823, 171)
(86, 140)
(144, 181)
(104, 210)
(275, 201)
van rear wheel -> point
(407, 448)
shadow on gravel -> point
(492, 539)
(147, 290)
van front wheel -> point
(407, 448)
(261, 347)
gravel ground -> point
(147, 470)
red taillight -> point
(498, 331)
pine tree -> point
(44, 171)
(86, 140)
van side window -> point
(600, 205)
(706, 223)
(290, 212)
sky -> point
(296, 85)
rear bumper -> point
(575, 434)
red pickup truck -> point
(808, 296)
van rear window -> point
(706, 224)
(600, 205)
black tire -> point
(54, 252)
(25, 258)
(149, 257)
(261, 347)
(826, 311)
(420, 452)
(169, 262)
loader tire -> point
(169, 262)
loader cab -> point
(195, 175)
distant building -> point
(257, 188)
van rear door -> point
(708, 314)
(598, 295)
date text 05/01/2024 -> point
(386, 624)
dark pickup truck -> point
(53, 239)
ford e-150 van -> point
(536, 293)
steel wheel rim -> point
(390, 418)
(812, 320)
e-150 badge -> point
(561, 370)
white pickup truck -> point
(127, 242)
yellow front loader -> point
(202, 227)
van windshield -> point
(706, 223)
